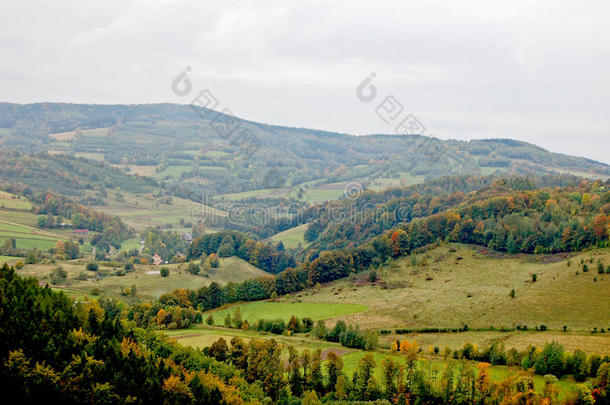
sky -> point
(536, 71)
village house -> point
(157, 260)
(81, 232)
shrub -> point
(534, 277)
(129, 266)
(164, 272)
(228, 322)
(19, 265)
(93, 266)
(192, 268)
(58, 274)
(210, 320)
(213, 260)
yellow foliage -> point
(128, 345)
(93, 305)
(161, 315)
(83, 337)
(176, 386)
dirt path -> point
(338, 352)
(188, 335)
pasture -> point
(9, 259)
(14, 202)
(254, 311)
(26, 237)
(143, 211)
(148, 282)
(293, 237)
(455, 285)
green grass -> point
(27, 237)
(14, 202)
(254, 311)
(171, 171)
(292, 237)
(457, 284)
(19, 217)
(130, 244)
(4, 259)
(202, 336)
(404, 179)
(142, 211)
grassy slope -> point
(9, 259)
(18, 222)
(254, 311)
(474, 290)
(203, 336)
(148, 285)
(292, 237)
(142, 211)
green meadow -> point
(254, 311)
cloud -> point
(532, 71)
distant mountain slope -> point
(205, 151)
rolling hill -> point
(200, 150)
(453, 285)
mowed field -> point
(455, 285)
(148, 281)
(254, 311)
(20, 225)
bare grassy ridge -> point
(455, 285)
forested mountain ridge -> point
(201, 143)
(67, 174)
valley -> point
(322, 259)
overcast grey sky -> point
(535, 71)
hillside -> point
(198, 149)
(453, 285)
(149, 284)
